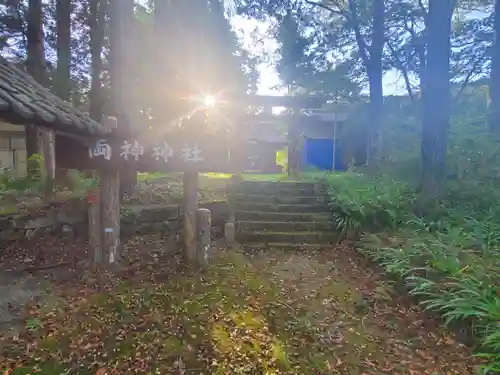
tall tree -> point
(62, 80)
(121, 54)
(63, 28)
(436, 97)
(96, 24)
(35, 63)
(295, 66)
(205, 58)
(372, 59)
(367, 24)
(494, 109)
(350, 28)
(37, 68)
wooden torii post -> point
(104, 213)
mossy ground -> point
(273, 313)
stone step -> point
(278, 199)
(284, 226)
(278, 188)
(266, 207)
(252, 215)
(256, 247)
(286, 184)
(287, 237)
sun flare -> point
(209, 101)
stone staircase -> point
(282, 215)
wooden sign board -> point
(176, 154)
(143, 155)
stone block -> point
(31, 222)
(71, 217)
(149, 213)
(6, 223)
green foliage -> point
(360, 202)
(32, 182)
(449, 258)
(75, 182)
(33, 324)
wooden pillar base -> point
(110, 210)
(190, 206)
(230, 233)
(94, 199)
(47, 140)
(230, 226)
(203, 233)
(110, 216)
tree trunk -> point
(494, 108)
(169, 16)
(122, 77)
(96, 24)
(371, 55)
(36, 67)
(375, 76)
(110, 217)
(62, 81)
(63, 25)
(436, 98)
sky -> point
(393, 83)
(248, 29)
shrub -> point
(449, 259)
(361, 202)
(32, 182)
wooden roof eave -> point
(23, 101)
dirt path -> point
(358, 318)
(274, 313)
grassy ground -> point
(153, 188)
(268, 177)
(273, 313)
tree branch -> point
(467, 79)
(423, 10)
(403, 70)
(326, 7)
(362, 46)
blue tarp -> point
(318, 153)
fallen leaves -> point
(274, 313)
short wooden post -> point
(49, 163)
(95, 228)
(235, 180)
(203, 231)
(230, 226)
(110, 209)
(230, 233)
(190, 206)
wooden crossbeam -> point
(301, 102)
(305, 120)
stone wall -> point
(70, 218)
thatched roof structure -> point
(23, 101)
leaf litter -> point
(269, 313)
